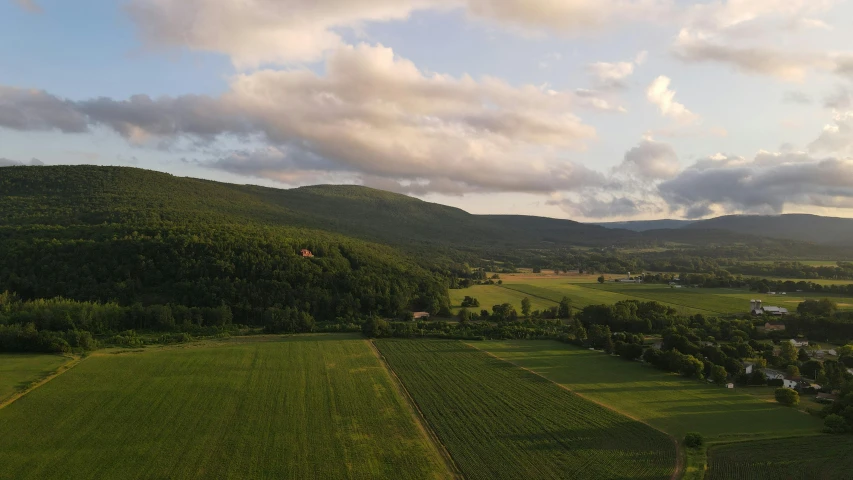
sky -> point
(592, 110)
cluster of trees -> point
(838, 415)
(629, 316)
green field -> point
(19, 370)
(490, 295)
(502, 422)
(671, 403)
(297, 407)
(813, 458)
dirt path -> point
(59, 371)
(418, 415)
(679, 454)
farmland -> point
(502, 422)
(813, 458)
(18, 371)
(490, 295)
(666, 401)
(281, 407)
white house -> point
(730, 385)
(771, 374)
(789, 383)
(747, 367)
(799, 343)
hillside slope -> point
(799, 227)
(130, 235)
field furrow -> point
(499, 421)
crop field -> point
(19, 370)
(289, 407)
(584, 294)
(815, 458)
(490, 295)
(666, 401)
(499, 421)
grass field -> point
(19, 370)
(502, 422)
(297, 407)
(671, 403)
(813, 458)
(490, 295)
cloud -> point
(611, 75)
(371, 114)
(797, 97)
(22, 109)
(840, 99)
(29, 5)
(659, 94)
(597, 100)
(764, 185)
(266, 32)
(5, 162)
(836, 137)
(652, 160)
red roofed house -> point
(307, 253)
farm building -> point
(420, 315)
(826, 397)
(628, 279)
(774, 326)
(799, 343)
(306, 253)
(756, 308)
(730, 385)
(790, 382)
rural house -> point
(790, 382)
(306, 253)
(799, 343)
(420, 315)
(748, 367)
(774, 326)
(771, 374)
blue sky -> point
(606, 109)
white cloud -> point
(254, 33)
(659, 94)
(371, 114)
(837, 137)
(611, 75)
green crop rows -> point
(19, 370)
(804, 458)
(499, 421)
(304, 407)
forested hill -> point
(800, 227)
(129, 235)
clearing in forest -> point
(499, 421)
(319, 406)
(669, 402)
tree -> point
(601, 279)
(803, 355)
(693, 440)
(525, 306)
(793, 371)
(565, 309)
(787, 396)
(719, 374)
(465, 315)
(537, 270)
(691, 366)
(835, 424)
(819, 308)
(788, 353)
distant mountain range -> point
(87, 195)
(798, 227)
